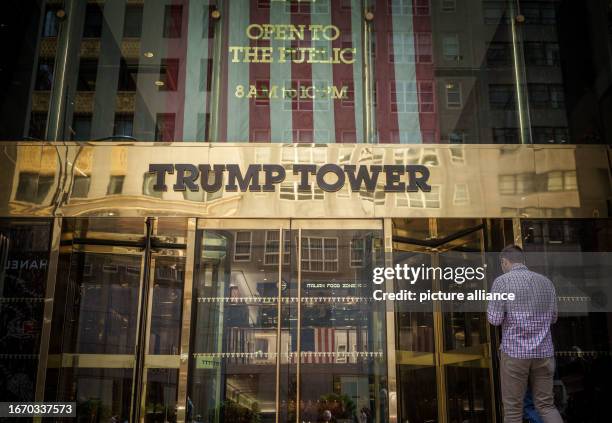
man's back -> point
(526, 320)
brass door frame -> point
(123, 244)
(293, 224)
(441, 358)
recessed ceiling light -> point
(148, 54)
(160, 83)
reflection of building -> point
(256, 305)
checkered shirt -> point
(525, 321)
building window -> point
(44, 75)
(426, 97)
(124, 124)
(400, 7)
(424, 47)
(448, 5)
(148, 182)
(128, 74)
(404, 97)
(164, 128)
(173, 21)
(94, 18)
(132, 26)
(450, 47)
(453, 95)
(495, 12)
(421, 7)
(499, 55)
(420, 200)
(271, 250)
(80, 187)
(33, 187)
(505, 135)
(357, 252)
(289, 191)
(319, 254)
(168, 75)
(550, 135)
(88, 71)
(558, 180)
(242, 246)
(401, 47)
(81, 127)
(50, 22)
(115, 185)
(501, 97)
(544, 96)
(461, 196)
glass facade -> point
(183, 305)
(309, 71)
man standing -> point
(527, 353)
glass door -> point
(444, 355)
(282, 328)
(117, 319)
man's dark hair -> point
(513, 253)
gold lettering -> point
(235, 51)
(343, 93)
(239, 91)
(251, 35)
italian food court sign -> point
(265, 177)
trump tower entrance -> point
(206, 293)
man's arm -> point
(555, 308)
(496, 310)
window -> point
(242, 246)
(44, 75)
(81, 127)
(357, 252)
(115, 184)
(449, 5)
(453, 95)
(148, 182)
(173, 21)
(461, 196)
(88, 71)
(132, 26)
(33, 188)
(50, 22)
(550, 135)
(424, 47)
(400, 7)
(501, 97)
(505, 135)
(401, 47)
(128, 74)
(426, 97)
(164, 128)
(450, 47)
(289, 191)
(124, 124)
(168, 75)
(80, 186)
(499, 55)
(271, 250)
(495, 12)
(420, 200)
(507, 184)
(404, 97)
(319, 254)
(421, 7)
(93, 21)
(542, 96)
(555, 181)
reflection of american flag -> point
(318, 345)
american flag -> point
(401, 64)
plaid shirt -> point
(525, 321)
